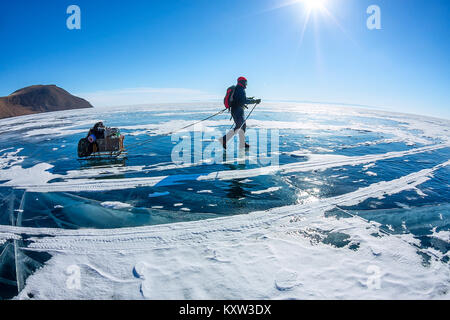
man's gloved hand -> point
(258, 101)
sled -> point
(111, 147)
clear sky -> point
(182, 49)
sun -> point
(314, 4)
(315, 11)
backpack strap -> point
(232, 93)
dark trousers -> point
(239, 120)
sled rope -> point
(175, 131)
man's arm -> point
(253, 101)
(241, 98)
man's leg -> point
(240, 127)
(224, 140)
(241, 133)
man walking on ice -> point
(236, 100)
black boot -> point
(247, 146)
(224, 143)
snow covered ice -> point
(356, 209)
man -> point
(238, 104)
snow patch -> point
(116, 205)
(269, 190)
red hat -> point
(242, 79)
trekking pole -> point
(248, 116)
(251, 111)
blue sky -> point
(150, 51)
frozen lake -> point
(355, 206)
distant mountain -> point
(39, 98)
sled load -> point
(101, 143)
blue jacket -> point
(240, 98)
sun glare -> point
(310, 11)
(313, 4)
